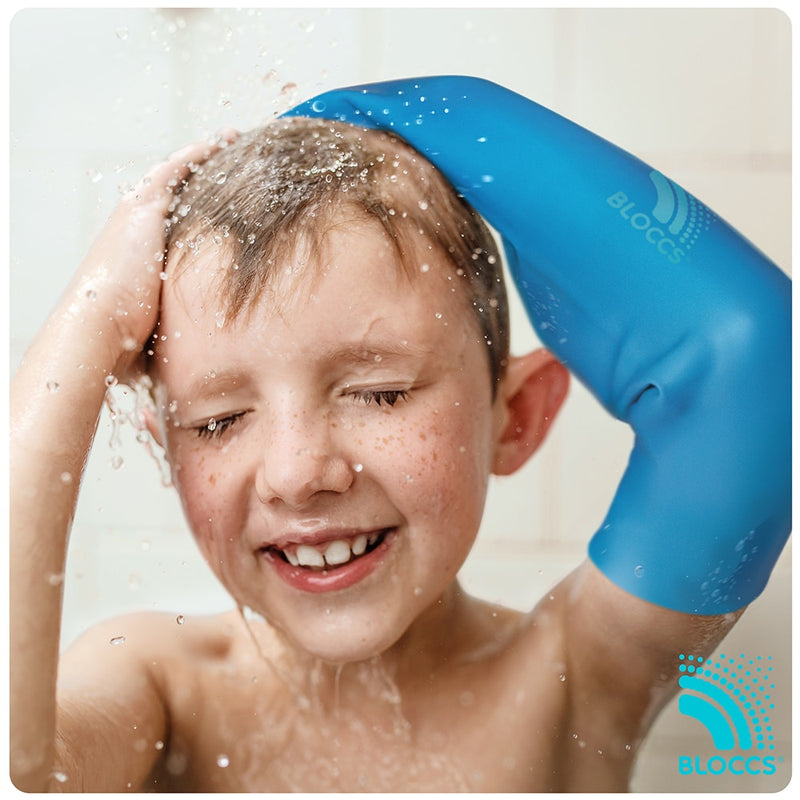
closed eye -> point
(214, 428)
(382, 397)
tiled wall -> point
(98, 95)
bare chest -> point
(455, 734)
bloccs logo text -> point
(672, 224)
(732, 699)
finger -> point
(180, 164)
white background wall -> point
(97, 95)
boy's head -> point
(331, 367)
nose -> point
(301, 459)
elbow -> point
(728, 367)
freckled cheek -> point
(209, 497)
(443, 468)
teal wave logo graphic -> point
(672, 203)
(731, 698)
(683, 215)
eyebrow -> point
(370, 350)
(208, 385)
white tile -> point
(95, 76)
(679, 80)
(511, 46)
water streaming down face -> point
(337, 718)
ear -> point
(531, 394)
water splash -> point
(328, 717)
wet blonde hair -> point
(287, 181)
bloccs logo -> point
(731, 698)
(673, 224)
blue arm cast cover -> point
(675, 322)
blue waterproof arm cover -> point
(675, 322)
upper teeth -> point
(339, 551)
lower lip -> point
(335, 578)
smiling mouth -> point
(329, 555)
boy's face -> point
(349, 412)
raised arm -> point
(675, 322)
(96, 332)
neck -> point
(433, 640)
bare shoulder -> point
(622, 657)
(610, 662)
(148, 638)
(117, 692)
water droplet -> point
(423, 205)
(110, 381)
(466, 698)
(220, 318)
(220, 178)
(212, 424)
(66, 477)
(424, 267)
(61, 777)
(358, 467)
(223, 760)
(117, 462)
(117, 640)
(318, 106)
(438, 315)
(562, 677)
(638, 570)
(180, 619)
(55, 578)
(52, 386)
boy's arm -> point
(97, 330)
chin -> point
(336, 646)
(334, 635)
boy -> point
(333, 390)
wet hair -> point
(290, 180)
